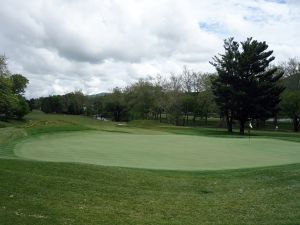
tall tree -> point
(116, 106)
(8, 101)
(12, 87)
(140, 98)
(246, 86)
(19, 84)
(222, 85)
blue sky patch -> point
(277, 1)
(213, 27)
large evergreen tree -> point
(222, 84)
(246, 87)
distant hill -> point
(98, 95)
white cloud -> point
(95, 45)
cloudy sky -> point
(95, 45)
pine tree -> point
(246, 86)
(222, 85)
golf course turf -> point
(170, 152)
(167, 179)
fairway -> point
(170, 151)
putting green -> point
(172, 152)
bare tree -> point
(187, 80)
(3, 66)
(290, 67)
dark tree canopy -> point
(19, 83)
(291, 107)
(246, 87)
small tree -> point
(22, 108)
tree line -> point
(290, 104)
(246, 88)
(179, 99)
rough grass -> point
(61, 193)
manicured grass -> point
(172, 152)
(34, 192)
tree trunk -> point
(206, 120)
(296, 123)
(187, 118)
(275, 121)
(229, 123)
(242, 127)
(187, 115)
(176, 121)
(160, 116)
(257, 124)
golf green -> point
(171, 152)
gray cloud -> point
(95, 45)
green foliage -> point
(34, 103)
(140, 97)
(8, 101)
(291, 103)
(19, 84)
(174, 107)
(291, 107)
(71, 103)
(245, 87)
(22, 108)
(206, 103)
(292, 82)
(12, 87)
(116, 106)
